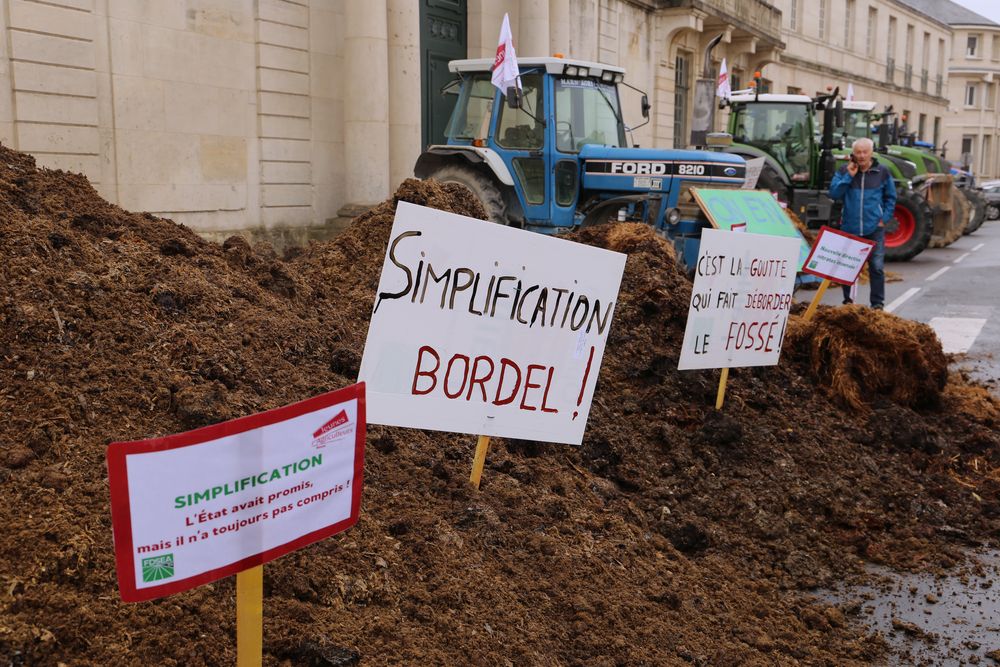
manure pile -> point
(675, 535)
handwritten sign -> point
(739, 303)
(486, 329)
(838, 256)
(191, 508)
(756, 208)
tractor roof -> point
(855, 105)
(552, 65)
(771, 97)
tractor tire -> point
(481, 186)
(992, 211)
(978, 215)
(910, 230)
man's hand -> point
(852, 168)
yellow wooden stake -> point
(477, 463)
(816, 299)
(722, 389)
(250, 617)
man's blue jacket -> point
(869, 198)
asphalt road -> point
(956, 291)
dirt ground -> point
(676, 535)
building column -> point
(533, 24)
(559, 28)
(366, 104)
(404, 84)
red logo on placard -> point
(332, 430)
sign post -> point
(739, 303)
(835, 257)
(192, 508)
(488, 330)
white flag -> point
(505, 72)
(723, 90)
(850, 92)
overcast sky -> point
(988, 8)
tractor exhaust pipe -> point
(703, 115)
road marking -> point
(957, 334)
(937, 274)
(961, 258)
(978, 247)
(898, 301)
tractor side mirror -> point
(838, 113)
(645, 107)
(513, 96)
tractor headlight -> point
(584, 71)
(571, 70)
(607, 77)
(673, 216)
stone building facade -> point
(276, 114)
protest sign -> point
(485, 329)
(756, 208)
(754, 167)
(191, 508)
(739, 303)
(838, 256)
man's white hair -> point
(863, 142)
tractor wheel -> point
(978, 215)
(910, 230)
(992, 211)
(481, 186)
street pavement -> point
(955, 290)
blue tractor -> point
(555, 155)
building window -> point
(996, 47)
(937, 131)
(736, 80)
(972, 47)
(682, 85)
(823, 18)
(989, 95)
(968, 146)
(793, 16)
(970, 95)
(921, 127)
(870, 38)
(794, 90)
(849, 25)
(985, 164)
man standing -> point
(869, 196)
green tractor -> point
(782, 130)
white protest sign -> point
(739, 303)
(485, 329)
(191, 508)
(754, 167)
(837, 256)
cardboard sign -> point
(191, 508)
(838, 256)
(485, 329)
(739, 303)
(754, 167)
(756, 208)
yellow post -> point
(816, 299)
(250, 617)
(722, 389)
(477, 463)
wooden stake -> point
(477, 463)
(816, 299)
(722, 389)
(250, 617)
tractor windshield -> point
(780, 129)
(857, 125)
(587, 112)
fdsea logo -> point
(157, 567)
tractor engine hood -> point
(648, 169)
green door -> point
(443, 37)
